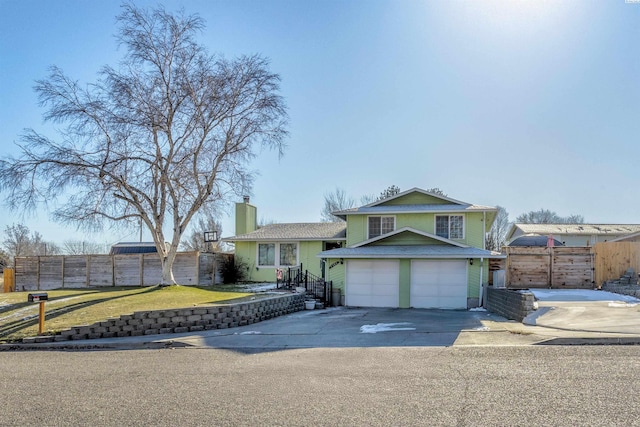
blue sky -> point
(523, 104)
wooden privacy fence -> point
(612, 259)
(556, 267)
(566, 267)
(78, 271)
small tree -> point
(166, 134)
(497, 236)
(389, 192)
(436, 190)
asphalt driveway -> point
(586, 311)
(338, 327)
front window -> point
(379, 225)
(288, 253)
(450, 226)
(285, 253)
(267, 254)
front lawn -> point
(74, 307)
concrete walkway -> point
(586, 311)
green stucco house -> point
(415, 249)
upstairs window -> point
(450, 226)
(379, 225)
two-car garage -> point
(433, 283)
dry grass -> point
(74, 307)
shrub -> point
(233, 270)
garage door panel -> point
(372, 283)
(357, 289)
(439, 284)
(385, 289)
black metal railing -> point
(289, 277)
(295, 276)
(318, 287)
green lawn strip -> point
(75, 307)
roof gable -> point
(407, 233)
(416, 196)
(417, 201)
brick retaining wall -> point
(514, 305)
(182, 320)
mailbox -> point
(40, 296)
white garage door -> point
(372, 283)
(439, 284)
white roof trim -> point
(411, 230)
(403, 251)
(626, 237)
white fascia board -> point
(411, 230)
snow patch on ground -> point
(621, 304)
(482, 328)
(260, 287)
(478, 309)
(31, 311)
(249, 333)
(580, 295)
(385, 327)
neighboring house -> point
(415, 249)
(575, 234)
(633, 238)
(133, 248)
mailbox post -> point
(39, 297)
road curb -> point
(567, 341)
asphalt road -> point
(377, 386)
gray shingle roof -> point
(418, 251)
(587, 229)
(297, 231)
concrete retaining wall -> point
(182, 320)
(514, 305)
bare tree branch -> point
(167, 133)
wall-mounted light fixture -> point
(470, 261)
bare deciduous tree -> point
(20, 241)
(333, 202)
(497, 236)
(168, 133)
(196, 242)
(545, 216)
(76, 247)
